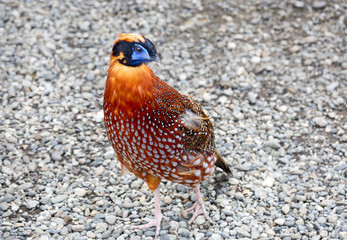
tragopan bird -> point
(156, 132)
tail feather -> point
(221, 163)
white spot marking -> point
(197, 173)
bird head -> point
(133, 50)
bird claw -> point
(152, 222)
(151, 219)
(199, 209)
(190, 209)
(158, 216)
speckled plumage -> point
(156, 140)
(156, 132)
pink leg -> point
(198, 207)
(157, 216)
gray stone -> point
(110, 219)
(343, 235)
(285, 209)
(289, 223)
(59, 198)
(100, 227)
(331, 87)
(25, 186)
(252, 97)
(280, 221)
(167, 237)
(3, 207)
(56, 156)
(318, 5)
(273, 144)
(174, 225)
(310, 39)
(31, 204)
(32, 166)
(215, 237)
(243, 232)
(136, 184)
(128, 203)
(183, 232)
(106, 235)
(320, 121)
(65, 231)
(44, 216)
(7, 198)
(90, 76)
(343, 166)
(268, 182)
(321, 220)
(99, 170)
(227, 212)
(299, 4)
(150, 233)
(109, 154)
(80, 192)
(332, 218)
(245, 167)
(14, 207)
(200, 220)
(77, 228)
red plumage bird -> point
(156, 132)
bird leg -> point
(156, 221)
(198, 207)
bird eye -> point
(138, 49)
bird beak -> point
(155, 59)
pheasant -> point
(156, 132)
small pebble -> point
(299, 4)
(59, 198)
(285, 209)
(110, 219)
(31, 204)
(200, 220)
(109, 155)
(243, 233)
(56, 156)
(280, 221)
(99, 170)
(215, 237)
(268, 182)
(273, 144)
(3, 207)
(80, 192)
(318, 5)
(343, 235)
(320, 121)
(100, 227)
(77, 228)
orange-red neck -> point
(128, 87)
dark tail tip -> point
(222, 164)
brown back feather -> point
(221, 163)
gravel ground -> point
(271, 73)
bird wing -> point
(196, 125)
(199, 133)
(198, 128)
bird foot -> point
(152, 222)
(199, 209)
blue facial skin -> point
(140, 55)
